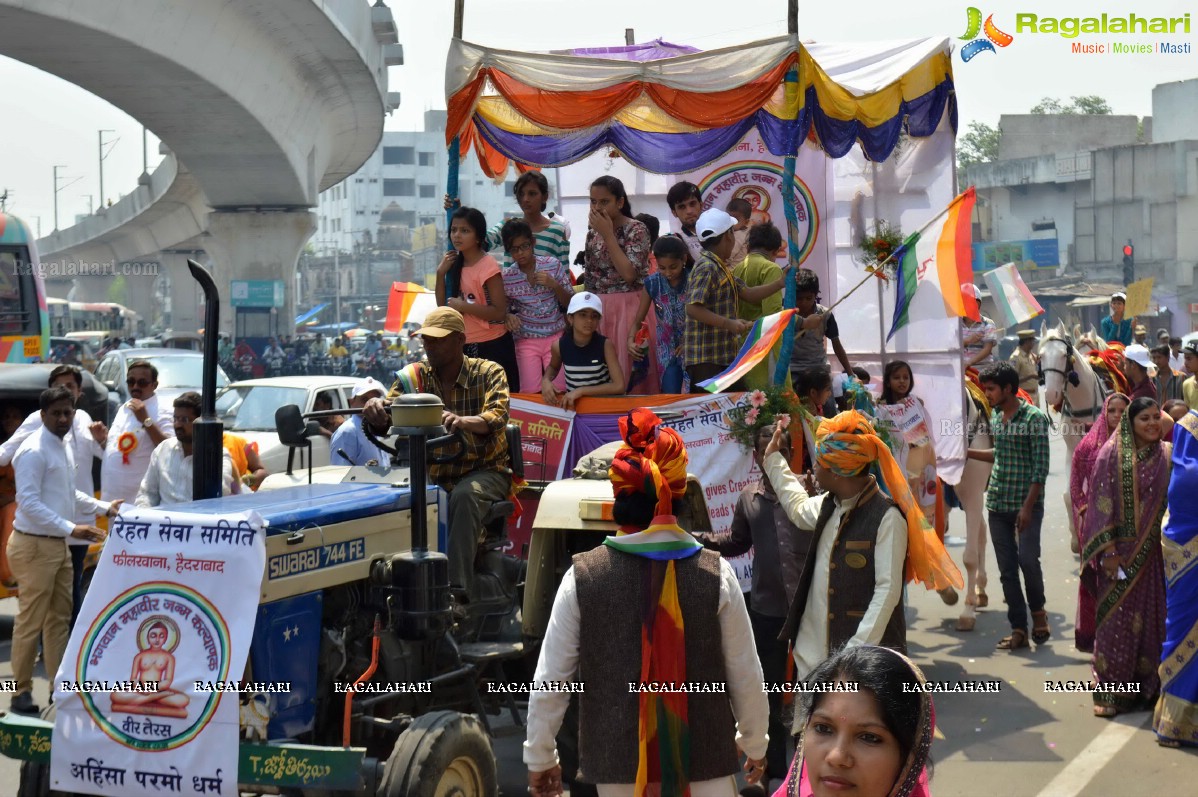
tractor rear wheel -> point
(35, 776)
(442, 754)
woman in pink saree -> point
(1122, 537)
(1084, 457)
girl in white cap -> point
(589, 359)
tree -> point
(1089, 104)
(978, 145)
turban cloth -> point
(847, 445)
(653, 461)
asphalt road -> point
(1018, 742)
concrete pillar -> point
(183, 292)
(256, 245)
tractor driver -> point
(475, 394)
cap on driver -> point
(441, 322)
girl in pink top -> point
(470, 281)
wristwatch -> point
(148, 422)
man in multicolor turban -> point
(643, 614)
(865, 542)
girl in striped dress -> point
(589, 359)
(551, 237)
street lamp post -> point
(58, 188)
(100, 149)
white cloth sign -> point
(166, 623)
(909, 420)
(718, 461)
(748, 171)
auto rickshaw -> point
(21, 385)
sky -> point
(59, 121)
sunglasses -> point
(139, 382)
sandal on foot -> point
(1105, 712)
(948, 595)
(983, 599)
(1017, 640)
(1171, 743)
(1040, 630)
(966, 623)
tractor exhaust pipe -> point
(208, 431)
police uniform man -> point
(1025, 360)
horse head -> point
(1057, 363)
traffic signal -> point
(1129, 264)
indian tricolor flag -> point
(765, 333)
(941, 256)
(1014, 301)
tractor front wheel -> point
(442, 754)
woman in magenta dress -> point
(1121, 535)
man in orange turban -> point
(649, 608)
(865, 542)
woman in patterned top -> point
(616, 261)
(538, 290)
(666, 291)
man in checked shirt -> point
(475, 394)
(1015, 500)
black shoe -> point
(23, 704)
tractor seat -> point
(495, 520)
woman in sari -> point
(1122, 537)
(1084, 457)
(835, 756)
(1176, 718)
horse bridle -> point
(1073, 378)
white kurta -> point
(890, 552)
(121, 480)
(168, 480)
(83, 446)
(558, 663)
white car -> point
(247, 409)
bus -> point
(60, 316)
(103, 317)
(24, 319)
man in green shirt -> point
(759, 268)
(1015, 500)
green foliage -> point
(978, 145)
(117, 290)
(1089, 104)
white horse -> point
(972, 493)
(1071, 388)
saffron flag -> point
(1014, 301)
(765, 333)
(408, 302)
(941, 257)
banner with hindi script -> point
(748, 171)
(720, 464)
(164, 630)
(545, 435)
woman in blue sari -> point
(1176, 718)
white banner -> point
(164, 630)
(718, 461)
(748, 171)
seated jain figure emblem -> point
(157, 639)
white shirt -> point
(168, 479)
(120, 480)
(47, 500)
(350, 438)
(1178, 363)
(83, 446)
(890, 553)
(559, 663)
